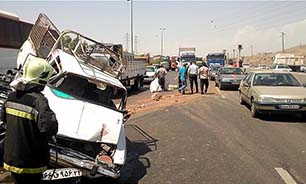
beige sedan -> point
(272, 91)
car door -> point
(217, 76)
(248, 88)
(242, 88)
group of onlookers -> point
(193, 72)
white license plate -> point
(236, 82)
(289, 106)
(61, 173)
(131, 82)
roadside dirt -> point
(167, 99)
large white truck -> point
(133, 75)
(187, 55)
(291, 60)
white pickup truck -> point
(88, 100)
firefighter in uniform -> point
(30, 124)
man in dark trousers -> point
(204, 78)
(29, 124)
(161, 74)
(193, 76)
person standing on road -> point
(193, 76)
(161, 75)
(182, 77)
(30, 123)
(204, 78)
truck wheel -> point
(136, 85)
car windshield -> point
(214, 67)
(283, 66)
(150, 69)
(74, 86)
(231, 71)
(164, 63)
(275, 79)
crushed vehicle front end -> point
(88, 99)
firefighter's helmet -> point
(37, 71)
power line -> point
(279, 16)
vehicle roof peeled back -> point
(87, 97)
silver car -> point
(272, 91)
(229, 77)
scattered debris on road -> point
(156, 96)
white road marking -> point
(285, 175)
(222, 96)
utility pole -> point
(234, 56)
(136, 42)
(127, 41)
(132, 37)
(283, 41)
(162, 40)
(252, 50)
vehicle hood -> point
(232, 76)
(150, 74)
(83, 120)
(296, 92)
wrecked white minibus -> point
(88, 100)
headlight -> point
(265, 99)
(225, 80)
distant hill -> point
(266, 58)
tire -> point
(220, 86)
(136, 86)
(254, 111)
(241, 101)
(303, 116)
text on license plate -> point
(289, 106)
(61, 173)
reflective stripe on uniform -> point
(21, 110)
(20, 114)
(24, 170)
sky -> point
(209, 26)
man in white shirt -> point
(193, 76)
(204, 77)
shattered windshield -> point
(74, 86)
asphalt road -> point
(214, 139)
